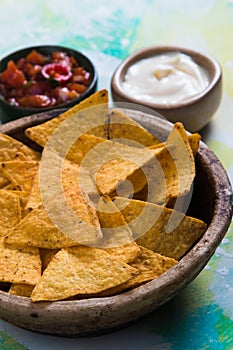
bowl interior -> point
(11, 112)
(211, 202)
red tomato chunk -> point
(39, 81)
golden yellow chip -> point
(194, 141)
(126, 130)
(22, 290)
(149, 261)
(163, 230)
(117, 236)
(182, 155)
(19, 265)
(20, 173)
(37, 230)
(34, 199)
(13, 149)
(10, 211)
(80, 271)
(41, 133)
(150, 266)
(4, 182)
(126, 168)
(82, 146)
(178, 169)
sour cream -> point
(165, 79)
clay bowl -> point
(211, 202)
(11, 112)
(196, 111)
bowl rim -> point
(118, 74)
(24, 51)
(150, 293)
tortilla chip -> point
(4, 182)
(80, 271)
(20, 173)
(126, 130)
(69, 207)
(194, 141)
(13, 149)
(117, 236)
(178, 168)
(22, 290)
(37, 230)
(19, 265)
(82, 146)
(149, 261)
(163, 230)
(121, 164)
(34, 199)
(41, 133)
(150, 266)
(10, 211)
(23, 199)
(183, 157)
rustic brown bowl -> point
(211, 202)
(194, 113)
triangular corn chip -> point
(178, 167)
(19, 265)
(10, 211)
(41, 133)
(127, 130)
(82, 146)
(13, 149)
(117, 236)
(20, 173)
(37, 230)
(80, 271)
(161, 229)
(22, 290)
(194, 141)
(150, 266)
(115, 165)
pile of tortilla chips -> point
(100, 211)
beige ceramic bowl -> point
(211, 202)
(195, 112)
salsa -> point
(39, 81)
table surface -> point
(201, 317)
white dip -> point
(165, 79)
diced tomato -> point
(74, 62)
(61, 57)
(79, 71)
(31, 71)
(34, 101)
(35, 57)
(12, 76)
(80, 88)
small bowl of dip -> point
(179, 83)
(41, 78)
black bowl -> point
(10, 112)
